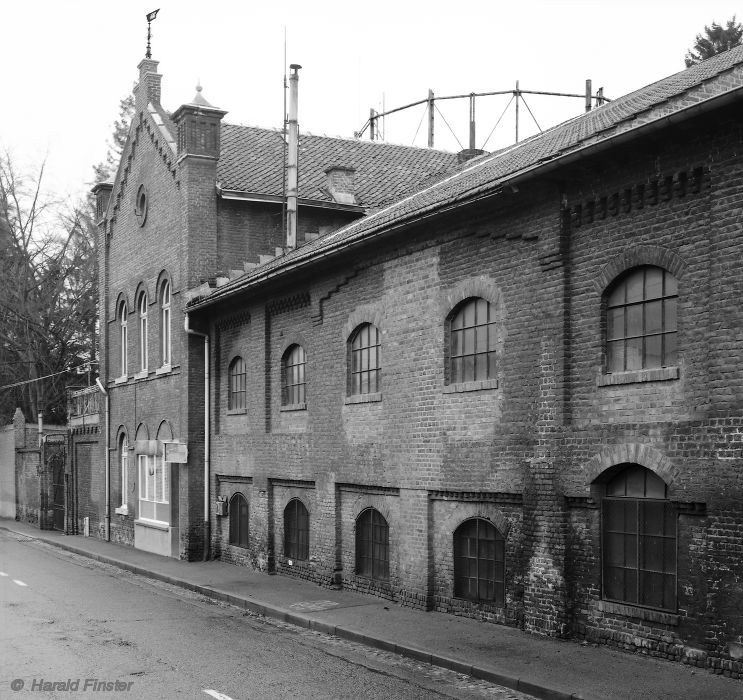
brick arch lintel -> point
(635, 257)
(470, 511)
(368, 313)
(481, 286)
(287, 498)
(364, 502)
(631, 453)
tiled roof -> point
(715, 77)
(251, 161)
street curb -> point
(537, 690)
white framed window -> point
(143, 353)
(165, 322)
(154, 488)
(123, 339)
(124, 461)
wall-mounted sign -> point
(55, 439)
(176, 452)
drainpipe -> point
(207, 523)
(108, 461)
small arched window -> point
(123, 340)
(165, 323)
(143, 351)
(641, 320)
(638, 532)
(293, 376)
(472, 340)
(479, 562)
(238, 521)
(236, 379)
(296, 531)
(372, 545)
(365, 365)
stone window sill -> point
(658, 616)
(121, 380)
(122, 510)
(463, 387)
(364, 398)
(660, 374)
(295, 406)
(154, 524)
(141, 375)
(164, 369)
(236, 411)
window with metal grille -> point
(296, 530)
(238, 509)
(479, 562)
(372, 545)
(366, 361)
(472, 342)
(236, 385)
(293, 376)
(639, 537)
(641, 321)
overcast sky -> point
(68, 63)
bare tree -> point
(47, 309)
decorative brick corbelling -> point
(636, 256)
(630, 453)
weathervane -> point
(150, 17)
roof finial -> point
(150, 17)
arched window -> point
(372, 545)
(366, 361)
(479, 562)
(238, 521)
(236, 385)
(296, 530)
(638, 531)
(293, 376)
(641, 320)
(143, 352)
(472, 342)
(123, 340)
(124, 470)
(165, 323)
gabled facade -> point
(514, 394)
(197, 201)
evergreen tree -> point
(715, 39)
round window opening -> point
(140, 205)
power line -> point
(38, 379)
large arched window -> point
(372, 545)
(165, 349)
(479, 562)
(293, 376)
(143, 351)
(124, 470)
(236, 391)
(123, 339)
(238, 521)
(641, 320)
(638, 531)
(364, 376)
(472, 341)
(296, 530)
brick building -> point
(515, 394)
(198, 201)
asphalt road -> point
(92, 630)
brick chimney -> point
(340, 184)
(102, 193)
(148, 89)
(198, 130)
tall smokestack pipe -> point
(292, 159)
(588, 95)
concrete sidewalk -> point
(542, 667)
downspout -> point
(207, 522)
(108, 461)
